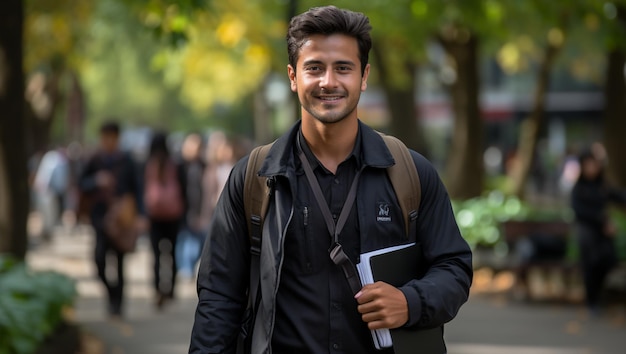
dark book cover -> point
(397, 268)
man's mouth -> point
(330, 98)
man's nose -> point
(328, 80)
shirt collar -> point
(356, 151)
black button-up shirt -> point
(315, 309)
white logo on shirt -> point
(383, 213)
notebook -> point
(396, 266)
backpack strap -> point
(256, 196)
(405, 179)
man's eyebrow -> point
(344, 62)
(312, 62)
(338, 62)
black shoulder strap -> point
(405, 179)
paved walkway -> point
(143, 328)
(486, 325)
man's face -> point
(109, 141)
(328, 77)
(591, 168)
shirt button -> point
(335, 216)
(335, 346)
(336, 181)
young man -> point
(306, 304)
(107, 175)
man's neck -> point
(330, 143)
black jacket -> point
(590, 200)
(224, 271)
(124, 170)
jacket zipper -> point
(307, 240)
(278, 275)
(280, 268)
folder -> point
(396, 266)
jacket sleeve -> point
(436, 298)
(87, 178)
(224, 272)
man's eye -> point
(344, 68)
(314, 68)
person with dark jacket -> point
(590, 198)
(109, 174)
(166, 205)
(306, 304)
(191, 237)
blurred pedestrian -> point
(108, 176)
(569, 172)
(220, 161)
(75, 156)
(191, 237)
(51, 186)
(590, 199)
(164, 197)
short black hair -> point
(158, 144)
(586, 154)
(329, 20)
(110, 127)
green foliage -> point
(222, 52)
(117, 75)
(174, 62)
(479, 219)
(31, 305)
(53, 32)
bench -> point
(537, 244)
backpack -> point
(163, 198)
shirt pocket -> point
(307, 243)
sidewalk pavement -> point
(486, 324)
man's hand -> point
(105, 179)
(382, 306)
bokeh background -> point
(500, 95)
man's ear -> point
(291, 72)
(366, 74)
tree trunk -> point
(76, 109)
(615, 111)
(14, 196)
(40, 118)
(465, 170)
(401, 102)
(532, 125)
